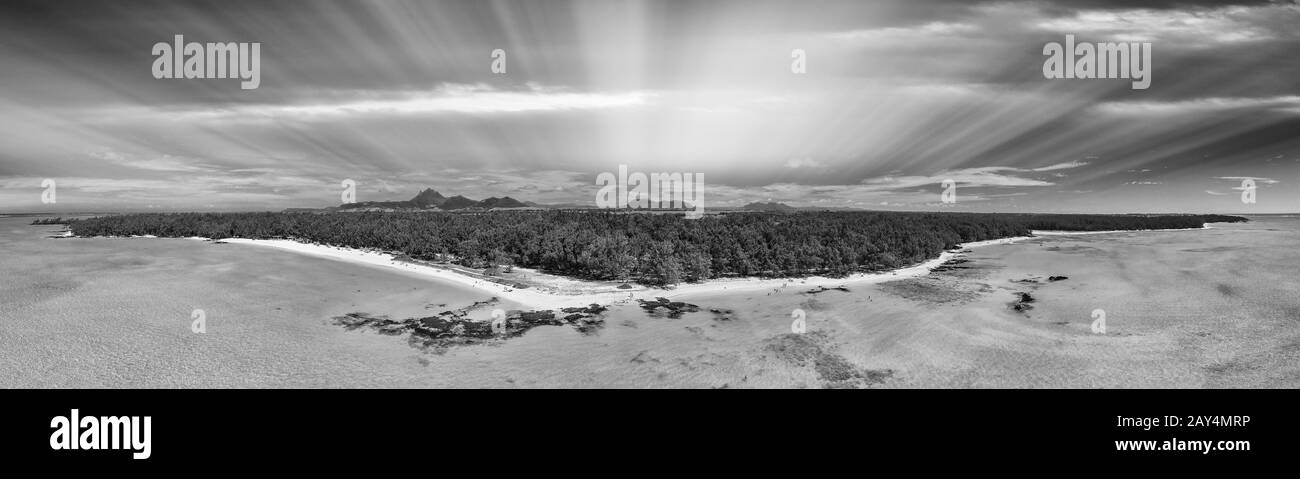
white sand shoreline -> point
(538, 299)
(1206, 226)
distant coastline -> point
(550, 292)
(1073, 233)
(556, 258)
(542, 291)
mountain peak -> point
(428, 197)
(772, 206)
(457, 202)
(504, 202)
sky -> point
(895, 97)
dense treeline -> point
(648, 248)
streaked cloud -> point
(1289, 103)
(1267, 181)
(1194, 27)
(898, 96)
(895, 37)
(1062, 166)
(976, 177)
(471, 99)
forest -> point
(659, 249)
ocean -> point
(1213, 308)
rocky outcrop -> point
(453, 327)
(671, 309)
(823, 289)
(1021, 304)
(951, 265)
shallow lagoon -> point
(1208, 308)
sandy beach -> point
(555, 292)
(1076, 233)
(1185, 309)
(552, 292)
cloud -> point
(1062, 166)
(924, 92)
(979, 176)
(1197, 27)
(1267, 181)
(968, 177)
(474, 99)
(804, 162)
(890, 37)
(1287, 103)
(160, 163)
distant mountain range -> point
(431, 199)
(768, 207)
(774, 207)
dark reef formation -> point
(1022, 302)
(453, 328)
(814, 350)
(664, 307)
